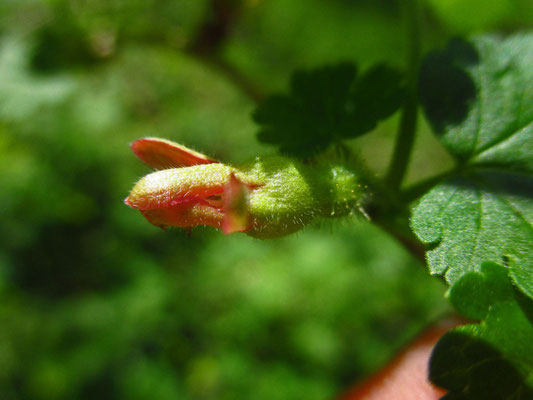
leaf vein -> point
(445, 206)
(515, 129)
(480, 114)
(479, 223)
(516, 211)
(502, 139)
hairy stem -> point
(407, 128)
(390, 213)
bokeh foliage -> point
(94, 302)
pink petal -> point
(163, 154)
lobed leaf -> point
(327, 105)
(492, 359)
(479, 99)
(469, 220)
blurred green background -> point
(95, 303)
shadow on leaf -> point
(471, 368)
(446, 90)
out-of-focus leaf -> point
(475, 15)
(21, 93)
(328, 105)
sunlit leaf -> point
(479, 98)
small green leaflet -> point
(479, 99)
(328, 105)
(492, 359)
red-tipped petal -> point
(236, 217)
(164, 154)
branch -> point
(407, 128)
(210, 39)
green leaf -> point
(327, 105)
(492, 359)
(479, 99)
(485, 217)
(482, 15)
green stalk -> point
(407, 128)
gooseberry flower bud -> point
(265, 198)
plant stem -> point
(232, 74)
(407, 128)
(211, 37)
